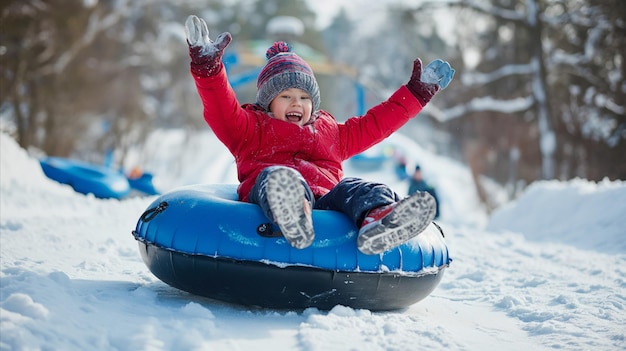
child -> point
(289, 152)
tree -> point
(264, 10)
(83, 78)
(55, 69)
(559, 70)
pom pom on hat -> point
(285, 70)
(278, 47)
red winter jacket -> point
(316, 150)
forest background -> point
(539, 91)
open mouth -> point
(293, 116)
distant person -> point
(135, 173)
(400, 168)
(289, 152)
(418, 184)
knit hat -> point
(284, 70)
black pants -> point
(354, 197)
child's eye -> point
(305, 98)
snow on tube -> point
(86, 178)
(201, 240)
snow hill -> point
(544, 272)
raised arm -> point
(380, 121)
(206, 55)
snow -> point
(285, 25)
(577, 201)
(546, 271)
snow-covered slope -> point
(71, 277)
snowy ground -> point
(545, 272)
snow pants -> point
(354, 197)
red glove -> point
(421, 90)
(206, 55)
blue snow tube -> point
(143, 183)
(86, 178)
(202, 240)
(368, 162)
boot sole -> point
(285, 196)
(410, 217)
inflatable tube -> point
(365, 161)
(200, 239)
(86, 178)
(143, 183)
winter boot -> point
(388, 226)
(291, 210)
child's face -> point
(292, 105)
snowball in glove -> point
(206, 55)
(425, 84)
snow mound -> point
(580, 213)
